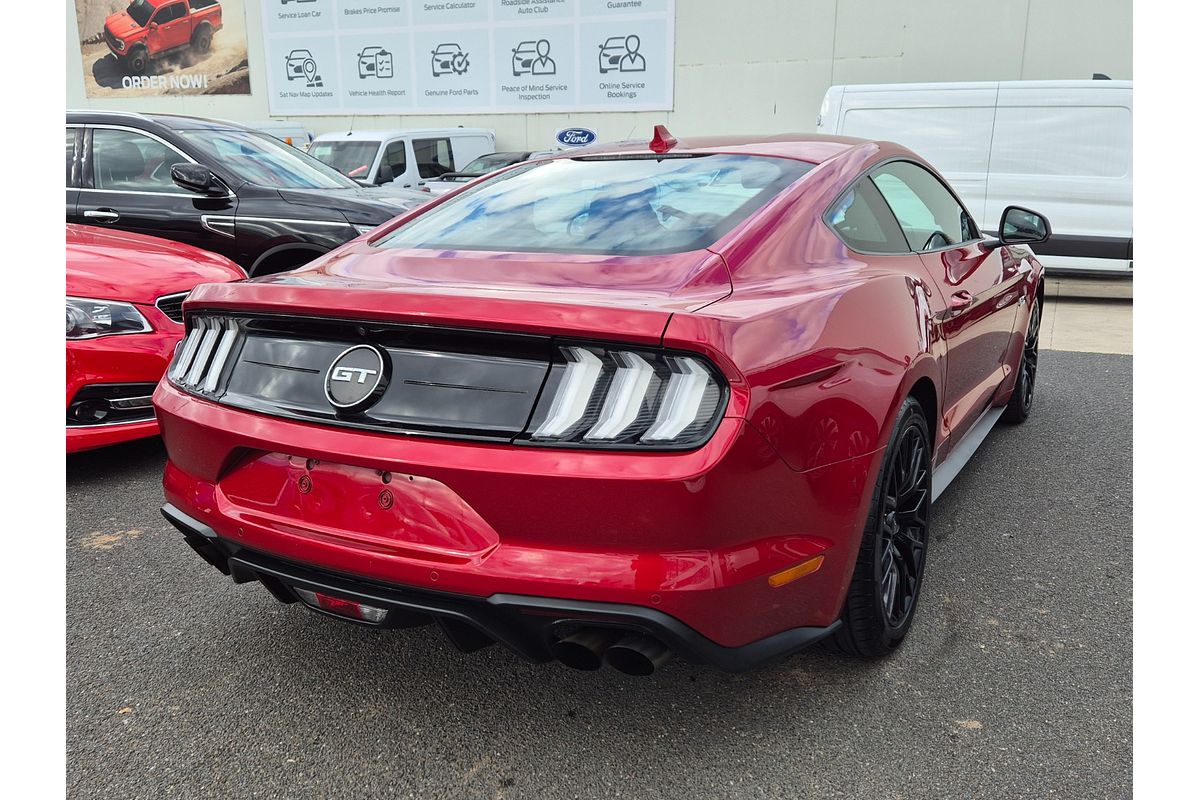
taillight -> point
(627, 398)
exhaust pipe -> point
(584, 649)
(637, 655)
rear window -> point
(603, 205)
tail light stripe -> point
(625, 396)
(571, 401)
(187, 351)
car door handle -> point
(961, 301)
(102, 215)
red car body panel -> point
(820, 345)
(129, 267)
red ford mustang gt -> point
(124, 318)
(652, 399)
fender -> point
(807, 379)
(298, 247)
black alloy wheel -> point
(882, 597)
(1021, 402)
(904, 529)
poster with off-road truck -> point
(135, 48)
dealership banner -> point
(478, 56)
(154, 47)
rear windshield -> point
(603, 205)
(353, 158)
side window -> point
(863, 221)
(129, 161)
(434, 157)
(928, 213)
(396, 157)
(169, 13)
(71, 136)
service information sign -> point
(477, 56)
(135, 48)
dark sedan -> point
(215, 185)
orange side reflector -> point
(794, 573)
(288, 140)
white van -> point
(403, 157)
(1063, 148)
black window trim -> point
(868, 174)
(76, 179)
(87, 182)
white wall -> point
(762, 66)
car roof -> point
(1050, 84)
(176, 122)
(811, 147)
(396, 133)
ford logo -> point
(575, 137)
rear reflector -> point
(793, 573)
(341, 607)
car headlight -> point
(597, 397)
(364, 228)
(89, 319)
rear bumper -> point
(693, 536)
(526, 625)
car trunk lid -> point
(619, 298)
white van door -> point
(1066, 152)
(950, 126)
(394, 160)
(469, 147)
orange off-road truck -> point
(150, 29)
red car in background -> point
(124, 318)
(638, 400)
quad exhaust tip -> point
(635, 654)
(630, 653)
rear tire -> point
(882, 598)
(202, 39)
(1021, 402)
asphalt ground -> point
(1014, 682)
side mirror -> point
(1022, 226)
(196, 178)
(386, 174)
(153, 26)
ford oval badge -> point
(575, 137)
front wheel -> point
(1021, 402)
(137, 61)
(882, 598)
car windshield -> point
(264, 160)
(140, 10)
(626, 205)
(492, 162)
(353, 158)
